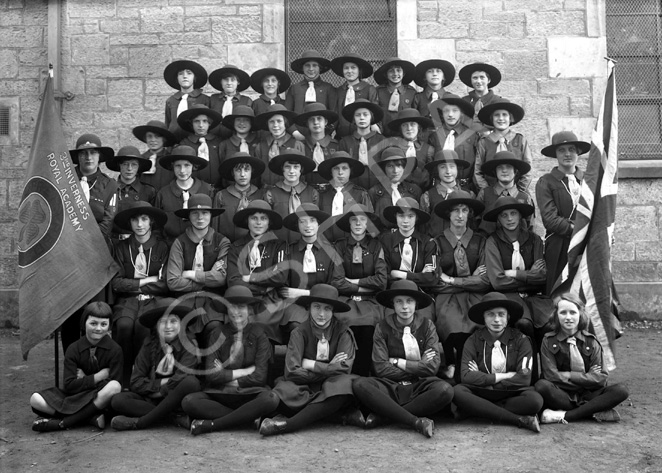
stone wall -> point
(114, 51)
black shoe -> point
(46, 425)
(124, 423)
(201, 426)
(353, 417)
(272, 427)
(529, 422)
(373, 421)
(425, 426)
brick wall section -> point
(114, 52)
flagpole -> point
(57, 359)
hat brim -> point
(357, 168)
(242, 77)
(443, 208)
(525, 210)
(291, 222)
(184, 213)
(226, 169)
(338, 306)
(150, 317)
(408, 70)
(144, 164)
(467, 71)
(582, 148)
(447, 68)
(438, 107)
(390, 214)
(261, 120)
(297, 64)
(431, 167)
(248, 300)
(343, 222)
(349, 110)
(228, 121)
(477, 311)
(258, 76)
(385, 298)
(276, 163)
(365, 67)
(141, 131)
(423, 122)
(123, 218)
(171, 70)
(167, 161)
(105, 153)
(240, 219)
(489, 167)
(485, 114)
(330, 116)
(185, 118)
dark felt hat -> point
(504, 157)
(326, 294)
(186, 117)
(240, 219)
(90, 141)
(506, 202)
(226, 168)
(258, 76)
(291, 222)
(445, 156)
(485, 114)
(238, 111)
(199, 202)
(240, 294)
(364, 66)
(408, 70)
(261, 120)
(565, 138)
(356, 167)
(315, 109)
(355, 210)
(294, 156)
(307, 56)
(183, 152)
(443, 208)
(166, 305)
(138, 207)
(158, 127)
(492, 300)
(230, 70)
(172, 69)
(128, 152)
(422, 67)
(394, 153)
(493, 73)
(409, 115)
(404, 204)
(349, 110)
(404, 287)
(451, 99)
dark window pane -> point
(637, 76)
(639, 131)
(632, 6)
(632, 35)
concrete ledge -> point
(640, 168)
(640, 300)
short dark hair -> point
(97, 309)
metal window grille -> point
(634, 39)
(4, 121)
(364, 27)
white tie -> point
(183, 104)
(227, 106)
(363, 151)
(322, 349)
(338, 202)
(85, 187)
(502, 145)
(498, 359)
(272, 102)
(576, 360)
(167, 364)
(203, 150)
(407, 255)
(450, 140)
(309, 263)
(318, 155)
(574, 187)
(311, 96)
(243, 147)
(351, 95)
(411, 150)
(517, 262)
(254, 259)
(274, 150)
(434, 96)
(152, 169)
(394, 102)
(140, 266)
(198, 259)
(412, 352)
(185, 197)
(395, 193)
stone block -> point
(192, 38)
(197, 24)
(570, 56)
(22, 37)
(106, 72)
(131, 39)
(7, 240)
(29, 72)
(640, 192)
(649, 251)
(158, 87)
(624, 271)
(11, 18)
(125, 94)
(3, 188)
(544, 24)
(9, 274)
(250, 10)
(427, 11)
(91, 103)
(419, 50)
(251, 57)
(156, 103)
(572, 87)
(115, 120)
(209, 11)
(637, 223)
(161, 20)
(497, 29)
(406, 19)
(19, 87)
(581, 126)
(575, 5)
(129, 12)
(642, 299)
(33, 57)
(236, 29)
(73, 80)
(524, 65)
(9, 61)
(95, 86)
(140, 66)
(595, 18)
(87, 9)
(464, 12)
(120, 26)
(273, 24)
(14, 193)
(533, 5)
(90, 49)
(623, 251)
(124, 4)
(581, 106)
(119, 55)
(450, 29)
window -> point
(634, 38)
(335, 27)
(8, 121)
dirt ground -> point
(633, 445)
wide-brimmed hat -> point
(356, 167)
(292, 155)
(185, 153)
(408, 70)
(409, 115)
(565, 138)
(186, 117)
(171, 70)
(394, 153)
(445, 156)
(240, 219)
(485, 114)
(151, 316)
(422, 67)
(404, 204)
(349, 110)
(128, 152)
(199, 202)
(139, 207)
(326, 294)
(230, 70)
(451, 99)
(467, 71)
(291, 222)
(443, 208)
(226, 168)
(307, 56)
(258, 76)
(492, 300)
(354, 210)
(506, 202)
(240, 294)
(365, 68)
(261, 120)
(158, 127)
(315, 109)
(90, 141)
(404, 287)
(239, 111)
(504, 157)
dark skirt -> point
(405, 393)
(453, 313)
(67, 404)
(297, 396)
(365, 311)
